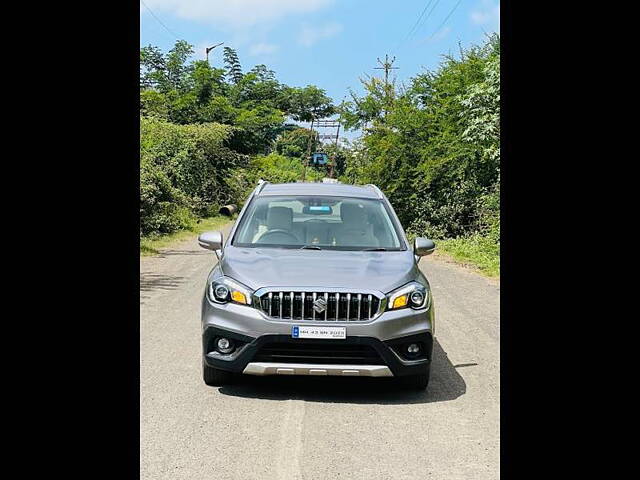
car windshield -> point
(332, 223)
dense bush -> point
(185, 172)
(163, 207)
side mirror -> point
(210, 240)
(423, 246)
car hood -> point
(271, 267)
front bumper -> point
(253, 323)
(242, 359)
(252, 330)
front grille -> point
(337, 306)
(318, 353)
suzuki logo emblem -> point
(320, 305)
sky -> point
(328, 43)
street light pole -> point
(208, 49)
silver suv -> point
(317, 279)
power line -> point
(414, 29)
(414, 25)
(430, 12)
(445, 20)
(160, 21)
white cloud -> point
(309, 35)
(262, 49)
(487, 13)
(235, 14)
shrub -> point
(184, 173)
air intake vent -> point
(318, 352)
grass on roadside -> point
(152, 245)
(476, 251)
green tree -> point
(295, 143)
(256, 102)
(305, 104)
(166, 72)
(234, 69)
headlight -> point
(414, 295)
(224, 290)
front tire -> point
(215, 377)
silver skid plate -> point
(269, 368)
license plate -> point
(336, 333)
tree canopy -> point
(184, 92)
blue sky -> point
(329, 43)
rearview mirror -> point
(317, 210)
(210, 240)
(423, 246)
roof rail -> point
(261, 184)
(375, 189)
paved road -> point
(312, 427)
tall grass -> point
(476, 250)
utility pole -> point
(335, 151)
(333, 157)
(306, 162)
(322, 136)
(208, 49)
(329, 136)
(386, 66)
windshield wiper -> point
(311, 247)
(375, 249)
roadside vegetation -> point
(152, 244)
(474, 250)
(208, 134)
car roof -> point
(312, 188)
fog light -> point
(224, 345)
(413, 349)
